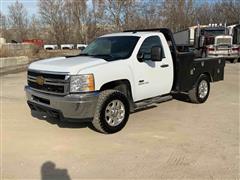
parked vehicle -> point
(37, 42)
(117, 74)
(81, 46)
(67, 46)
(50, 46)
(199, 38)
(223, 47)
(234, 31)
(186, 37)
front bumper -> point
(227, 56)
(70, 107)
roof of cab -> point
(138, 34)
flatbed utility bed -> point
(188, 69)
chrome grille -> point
(52, 83)
(227, 41)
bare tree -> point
(117, 12)
(77, 12)
(18, 20)
(203, 13)
(80, 21)
(97, 23)
(178, 14)
(54, 15)
(226, 11)
(2, 24)
(35, 28)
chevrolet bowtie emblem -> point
(40, 80)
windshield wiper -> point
(106, 57)
(83, 54)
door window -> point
(148, 43)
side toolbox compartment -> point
(214, 66)
(184, 77)
(219, 70)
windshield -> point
(236, 36)
(214, 32)
(111, 48)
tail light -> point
(210, 49)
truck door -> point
(153, 78)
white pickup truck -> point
(116, 74)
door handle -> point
(164, 65)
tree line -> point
(80, 21)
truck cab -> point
(116, 74)
(223, 47)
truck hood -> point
(70, 65)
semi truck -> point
(117, 74)
(223, 47)
(186, 37)
(198, 38)
(234, 31)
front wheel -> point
(200, 91)
(112, 112)
(204, 54)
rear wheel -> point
(200, 91)
(234, 61)
(112, 112)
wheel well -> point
(209, 75)
(49, 48)
(65, 48)
(122, 85)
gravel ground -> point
(173, 140)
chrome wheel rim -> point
(114, 113)
(203, 89)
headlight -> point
(82, 83)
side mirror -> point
(140, 57)
(156, 53)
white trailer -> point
(81, 46)
(67, 46)
(50, 46)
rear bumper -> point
(72, 107)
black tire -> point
(99, 120)
(194, 92)
(204, 54)
(234, 61)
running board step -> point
(157, 99)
